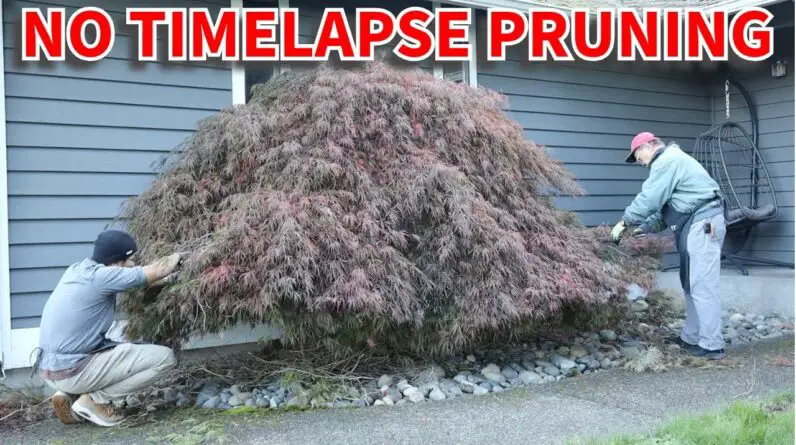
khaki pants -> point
(703, 304)
(114, 374)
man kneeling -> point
(75, 357)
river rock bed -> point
(478, 373)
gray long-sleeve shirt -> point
(80, 311)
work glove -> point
(617, 231)
(182, 257)
(172, 277)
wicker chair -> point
(729, 154)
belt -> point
(62, 374)
(708, 205)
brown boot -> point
(103, 415)
(62, 406)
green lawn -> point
(747, 423)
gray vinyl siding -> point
(82, 138)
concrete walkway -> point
(595, 404)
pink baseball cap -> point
(640, 139)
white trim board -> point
(472, 64)
(25, 341)
(6, 339)
(438, 72)
(239, 68)
(238, 71)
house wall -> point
(81, 139)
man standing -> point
(680, 194)
(75, 357)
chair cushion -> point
(761, 213)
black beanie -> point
(112, 246)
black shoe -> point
(676, 340)
(698, 351)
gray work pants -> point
(703, 321)
(116, 373)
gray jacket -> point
(675, 178)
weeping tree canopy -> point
(369, 208)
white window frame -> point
(469, 69)
(239, 68)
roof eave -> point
(518, 5)
(732, 6)
(737, 5)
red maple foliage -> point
(373, 205)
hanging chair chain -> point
(727, 98)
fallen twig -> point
(751, 383)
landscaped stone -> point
(212, 402)
(385, 380)
(550, 370)
(480, 391)
(529, 377)
(436, 394)
(495, 377)
(608, 335)
(481, 373)
(509, 372)
(578, 351)
(298, 401)
(563, 363)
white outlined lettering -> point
(76, 31)
(411, 48)
(53, 43)
(636, 26)
(540, 43)
(695, 41)
(495, 37)
(367, 37)
(147, 21)
(209, 38)
(452, 42)
(259, 28)
(581, 29)
(742, 44)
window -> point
(246, 75)
(455, 71)
(458, 71)
(258, 72)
